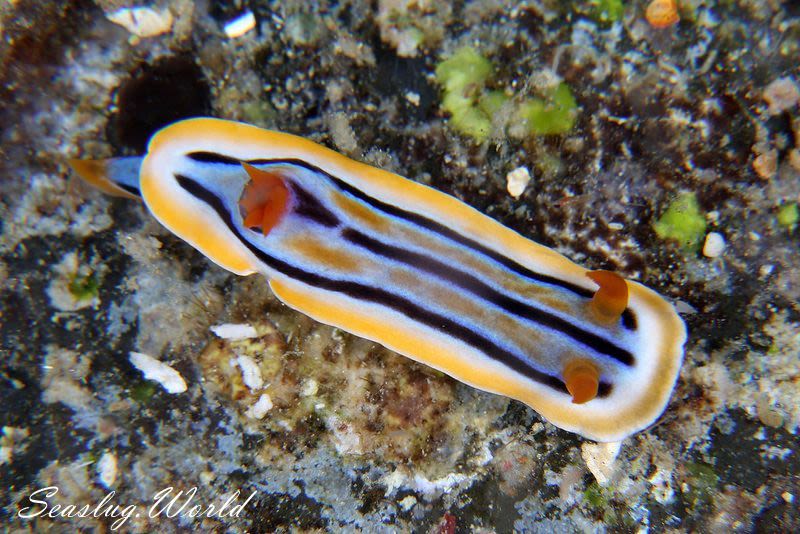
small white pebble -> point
(152, 369)
(517, 180)
(766, 270)
(781, 95)
(240, 25)
(10, 441)
(714, 245)
(407, 503)
(251, 372)
(142, 21)
(794, 154)
(766, 164)
(260, 408)
(788, 497)
(234, 331)
(412, 97)
(309, 388)
(107, 469)
(615, 226)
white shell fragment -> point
(234, 331)
(107, 469)
(260, 408)
(714, 245)
(251, 372)
(517, 180)
(152, 369)
(142, 21)
(240, 25)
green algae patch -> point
(84, 287)
(472, 122)
(472, 106)
(142, 392)
(702, 483)
(552, 115)
(683, 221)
(596, 496)
(465, 69)
(463, 77)
(606, 507)
(788, 216)
(492, 101)
(607, 11)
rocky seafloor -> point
(333, 432)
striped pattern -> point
(418, 271)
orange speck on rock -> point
(264, 199)
(582, 379)
(662, 13)
(447, 525)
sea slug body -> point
(412, 268)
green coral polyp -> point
(683, 221)
(553, 115)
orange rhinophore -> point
(264, 199)
(662, 13)
(582, 380)
(611, 299)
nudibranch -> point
(413, 269)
